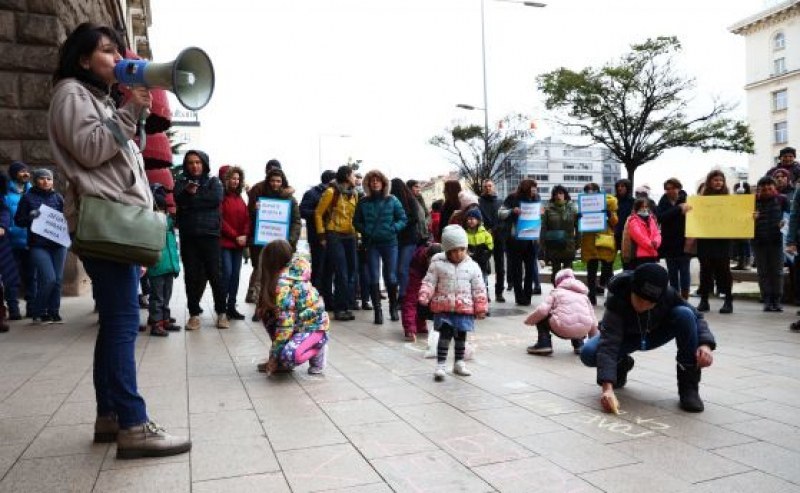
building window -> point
(781, 136)
(580, 178)
(541, 177)
(544, 190)
(779, 100)
(779, 66)
(779, 42)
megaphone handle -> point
(142, 133)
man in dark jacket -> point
(489, 204)
(643, 313)
(307, 207)
(198, 197)
(786, 161)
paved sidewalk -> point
(376, 422)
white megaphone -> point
(190, 76)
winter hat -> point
(272, 164)
(15, 168)
(453, 236)
(649, 282)
(476, 213)
(562, 275)
(466, 199)
(780, 171)
(41, 172)
(643, 190)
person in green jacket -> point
(379, 217)
(559, 220)
(162, 274)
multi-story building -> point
(551, 162)
(772, 60)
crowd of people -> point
(369, 240)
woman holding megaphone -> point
(92, 144)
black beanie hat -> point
(327, 176)
(650, 282)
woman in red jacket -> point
(234, 232)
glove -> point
(34, 213)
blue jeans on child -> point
(116, 295)
(49, 265)
(681, 325)
(160, 294)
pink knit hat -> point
(563, 274)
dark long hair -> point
(524, 188)
(403, 193)
(451, 191)
(273, 259)
(80, 43)
(562, 189)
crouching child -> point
(567, 312)
(292, 311)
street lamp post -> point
(485, 85)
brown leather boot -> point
(149, 440)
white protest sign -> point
(592, 222)
(591, 202)
(51, 224)
(529, 223)
(272, 220)
(268, 232)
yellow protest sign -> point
(720, 216)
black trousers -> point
(499, 254)
(201, 264)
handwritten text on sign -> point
(592, 222)
(720, 216)
(52, 225)
(591, 202)
(272, 221)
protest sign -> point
(592, 222)
(529, 223)
(720, 216)
(272, 220)
(51, 224)
(591, 202)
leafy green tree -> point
(638, 106)
(478, 156)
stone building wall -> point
(30, 33)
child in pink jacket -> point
(454, 290)
(567, 312)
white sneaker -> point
(460, 368)
(193, 323)
(439, 373)
(222, 321)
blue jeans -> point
(116, 289)
(231, 259)
(386, 254)
(678, 269)
(341, 256)
(681, 325)
(404, 255)
(49, 266)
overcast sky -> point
(292, 74)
